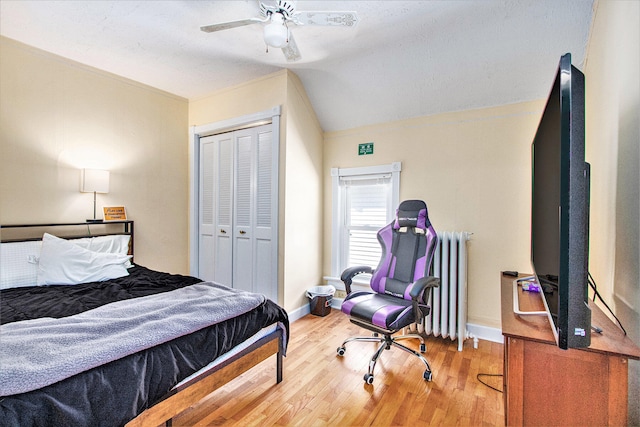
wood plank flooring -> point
(322, 389)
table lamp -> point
(94, 181)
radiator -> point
(448, 317)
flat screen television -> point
(560, 208)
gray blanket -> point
(36, 353)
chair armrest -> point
(348, 275)
(419, 286)
(423, 283)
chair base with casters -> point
(400, 286)
(387, 340)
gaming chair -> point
(400, 285)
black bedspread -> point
(59, 301)
(113, 394)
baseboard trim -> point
(299, 313)
(486, 333)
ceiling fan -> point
(277, 15)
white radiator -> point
(448, 317)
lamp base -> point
(94, 220)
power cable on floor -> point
(489, 375)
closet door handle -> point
(223, 231)
(243, 232)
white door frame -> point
(196, 132)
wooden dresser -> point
(544, 385)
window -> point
(364, 201)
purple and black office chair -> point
(400, 285)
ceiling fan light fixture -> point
(276, 33)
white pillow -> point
(19, 264)
(114, 244)
(64, 263)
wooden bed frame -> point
(191, 392)
(195, 390)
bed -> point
(120, 348)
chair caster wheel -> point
(423, 348)
(341, 351)
(427, 375)
(368, 378)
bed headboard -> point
(70, 230)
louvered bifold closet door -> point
(223, 255)
(216, 202)
(243, 222)
(206, 214)
(265, 249)
(255, 254)
(238, 201)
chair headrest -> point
(412, 213)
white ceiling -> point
(403, 59)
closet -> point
(238, 198)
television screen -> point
(560, 208)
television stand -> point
(545, 385)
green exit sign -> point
(366, 148)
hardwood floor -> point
(322, 389)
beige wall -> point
(300, 198)
(236, 101)
(613, 149)
(612, 74)
(473, 170)
(303, 204)
(57, 116)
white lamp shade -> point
(94, 180)
(276, 34)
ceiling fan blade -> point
(268, 6)
(232, 24)
(291, 51)
(347, 19)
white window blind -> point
(364, 201)
(367, 204)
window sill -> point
(361, 281)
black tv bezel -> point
(563, 123)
